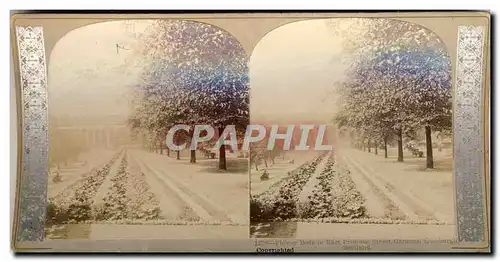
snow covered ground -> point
(215, 195)
(401, 200)
(198, 201)
(195, 200)
(278, 171)
(73, 171)
(420, 193)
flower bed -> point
(335, 195)
(128, 197)
(74, 203)
(279, 201)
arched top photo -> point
(115, 90)
(383, 87)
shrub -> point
(335, 195)
(280, 201)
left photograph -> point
(115, 89)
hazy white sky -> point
(292, 70)
(86, 74)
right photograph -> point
(383, 90)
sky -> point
(292, 71)
(87, 77)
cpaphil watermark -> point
(300, 135)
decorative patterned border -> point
(33, 185)
(468, 135)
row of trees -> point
(194, 73)
(398, 81)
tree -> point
(398, 80)
(197, 74)
(424, 97)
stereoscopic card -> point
(251, 132)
